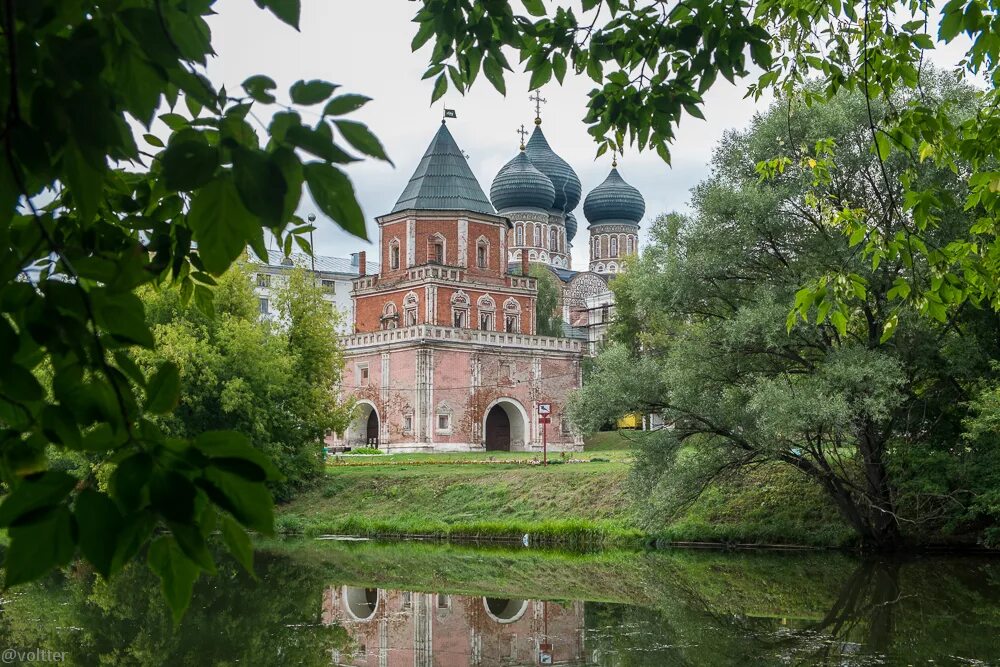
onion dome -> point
(570, 227)
(564, 179)
(614, 199)
(519, 184)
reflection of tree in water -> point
(232, 619)
(884, 611)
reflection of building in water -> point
(390, 628)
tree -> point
(839, 402)
(89, 213)
(653, 61)
(272, 381)
(548, 319)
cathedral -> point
(444, 353)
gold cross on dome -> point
(523, 132)
(539, 101)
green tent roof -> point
(443, 181)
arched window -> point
(410, 307)
(394, 254)
(519, 233)
(630, 244)
(597, 247)
(460, 310)
(536, 235)
(436, 249)
(482, 252)
(614, 246)
(487, 312)
(553, 239)
(390, 318)
(512, 316)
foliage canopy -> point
(89, 213)
(701, 338)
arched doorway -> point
(361, 603)
(503, 610)
(371, 430)
(497, 430)
(505, 426)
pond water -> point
(388, 604)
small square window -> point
(444, 422)
(265, 307)
(444, 601)
(329, 285)
(263, 280)
(407, 423)
(363, 375)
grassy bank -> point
(502, 496)
(468, 497)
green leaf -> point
(540, 75)
(440, 88)
(221, 224)
(233, 445)
(133, 534)
(19, 384)
(334, 194)
(259, 86)
(261, 184)
(43, 490)
(193, 544)
(164, 391)
(84, 181)
(39, 545)
(99, 523)
(238, 542)
(172, 495)
(359, 136)
(534, 7)
(494, 74)
(177, 573)
(882, 146)
(311, 92)
(839, 320)
(344, 104)
(129, 481)
(190, 164)
(249, 502)
(318, 143)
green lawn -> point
(465, 495)
(503, 495)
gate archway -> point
(497, 430)
(505, 426)
(371, 430)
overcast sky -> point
(364, 47)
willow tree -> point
(855, 411)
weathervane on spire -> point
(448, 113)
(539, 101)
(523, 132)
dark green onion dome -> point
(443, 180)
(570, 227)
(520, 185)
(614, 199)
(564, 179)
